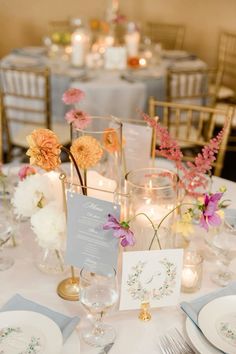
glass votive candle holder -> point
(192, 272)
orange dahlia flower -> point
(111, 140)
(87, 151)
(44, 149)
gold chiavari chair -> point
(231, 146)
(27, 105)
(180, 119)
(192, 85)
(171, 36)
(1, 129)
(227, 64)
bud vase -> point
(50, 261)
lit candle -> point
(132, 43)
(109, 41)
(142, 62)
(142, 227)
(106, 186)
(79, 43)
(192, 271)
(189, 278)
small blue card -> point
(88, 245)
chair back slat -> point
(26, 99)
(193, 127)
(192, 86)
(227, 58)
(171, 36)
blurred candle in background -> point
(132, 39)
(79, 43)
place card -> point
(151, 276)
(88, 245)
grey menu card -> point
(136, 136)
(88, 245)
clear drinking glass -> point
(98, 294)
(223, 244)
(5, 234)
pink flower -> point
(191, 171)
(79, 119)
(168, 147)
(73, 95)
(121, 231)
(209, 208)
(26, 171)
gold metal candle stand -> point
(68, 288)
(144, 314)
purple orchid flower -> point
(209, 215)
(121, 230)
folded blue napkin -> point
(193, 308)
(66, 324)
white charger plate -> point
(198, 340)
(217, 321)
(21, 331)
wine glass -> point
(5, 234)
(223, 244)
(98, 294)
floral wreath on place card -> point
(137, 289)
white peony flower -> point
(49, 225)
(31, 194)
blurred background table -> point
(108, 92)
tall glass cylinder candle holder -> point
(80, 40)
(192, 272)
(132, 40)
(102, 141)
(151, 191)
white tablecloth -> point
(108, 92)
(133, 336)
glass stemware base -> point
(223, 276)
(99, 336)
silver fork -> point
(174, 343)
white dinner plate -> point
(198, 340)
(175, 54)
(22, 331)
(217, 320)
(31, 51)
(21, 61)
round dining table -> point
(133, 336)
(121, 93)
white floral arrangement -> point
(39, 197)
